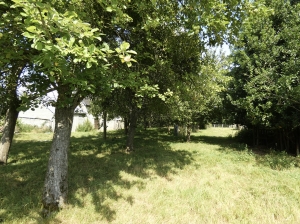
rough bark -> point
(11, 114)
(56, 182)
(8, 131)
(131, 130)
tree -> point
(14, 61)
(169, 36)
(67, 49)
(265, 72)
(72, 54)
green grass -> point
(212, 179)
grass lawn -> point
(212, 179)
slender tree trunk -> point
(126, 125)
(56, 182)
(132, 127)
(188, 134)
(8, 131)
(145, 122)
(96, 123)
(11, 114)
(104, 125)
(176, 129)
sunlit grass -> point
(212, 179)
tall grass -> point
(212, 179)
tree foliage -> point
(265, 88)
(86, 48)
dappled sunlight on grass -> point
(165, 180)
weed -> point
(86, 126)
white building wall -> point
(41, 116)
(44, 116)
(114, 124)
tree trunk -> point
(104, 125)
(56, 182)
(145, 122)
(176, 130)
(188, 134)
(96, 123)
(9, 130)
(131, 131)
(11, 114)
(126, 124)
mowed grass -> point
(212, 179)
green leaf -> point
(124, 46)
(131, 52)
(92, 48)
(109, 9)
(129, 64)
(71, 42)
(89, 64)
(39, 46)
(28, 35)
(127, 58)
(94, 30)
(31, 29)
(52, 79)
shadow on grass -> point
(266, 157)
(213, 140)
(100, 169)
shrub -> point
(86, 126)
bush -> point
(86, 126)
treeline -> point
(264, 93)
